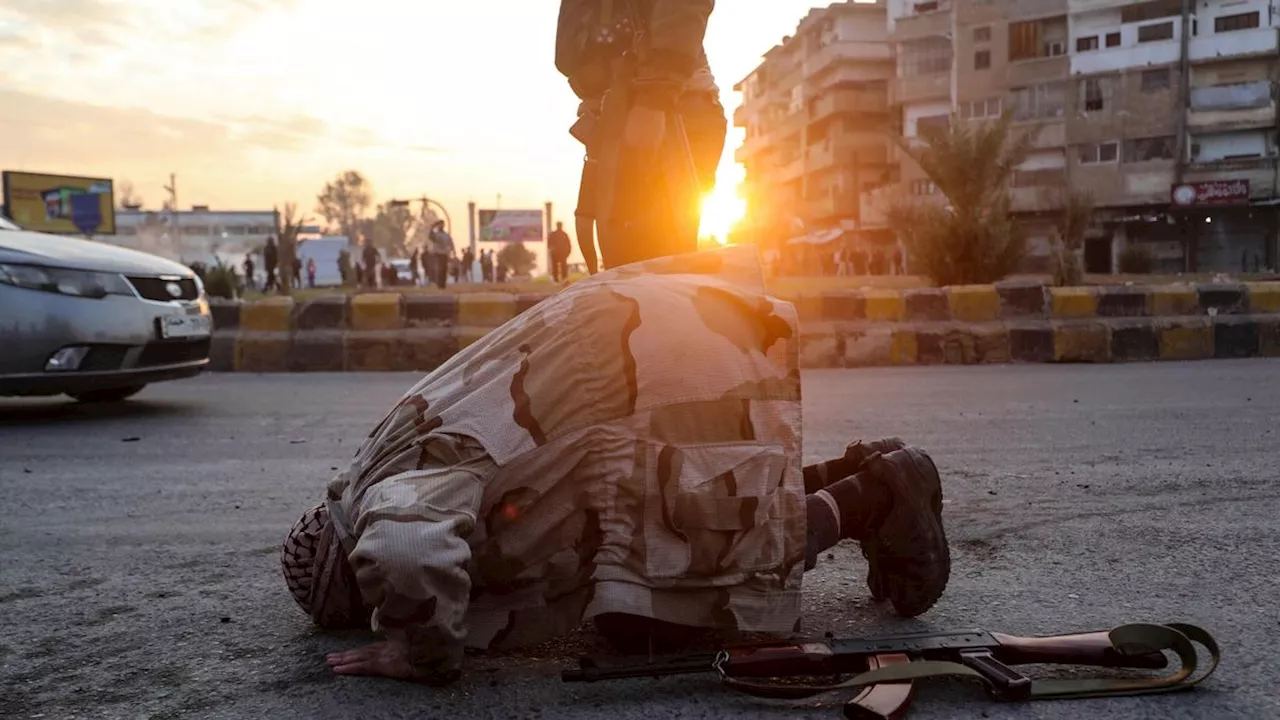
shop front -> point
(1225, 230)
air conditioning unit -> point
(1054, 49)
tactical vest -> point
(590, 36)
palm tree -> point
(972, 238)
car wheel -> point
(108, 395)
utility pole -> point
(1182, 143)
(175, 232)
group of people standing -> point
(272, 269)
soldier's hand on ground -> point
(645, 128)
(386, 659)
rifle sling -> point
(1142, 637)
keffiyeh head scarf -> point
(318, 574)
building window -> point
(1044, 177)
(923, 187)
(1039, 102)
(1155, 80)
(982, 60)
(924, 57)
(937, 122)
(1085, 44)
(989, 108)
(1095, 94)
(982, 34)
(1150, 11)
(1113, 40)
(1024, 40)
(1156, 33)
(1098, 153)
(1231, 23)
(1145, 149)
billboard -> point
(510, 225)
(60, 204)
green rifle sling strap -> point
(1138, 637)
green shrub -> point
(222, 281)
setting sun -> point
(722, 209)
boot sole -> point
(919, 606)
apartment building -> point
(1179, 156)
(816, 117)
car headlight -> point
(77, 283)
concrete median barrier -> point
(1015, 322)
(377, 311)
(487, 310)
(1069, 303)
(974, 303)
(269, 315)
(1186, 339)
(1083, 341)
(1264, 297)
(323, 313)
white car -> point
(95, 321)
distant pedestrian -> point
(344, 267)
(414, 275)
(558, 249)
(486, 266)
(311, 272)
(441, 250)
(370, 264)
(468, 265)
(249, 282)
(270, 260)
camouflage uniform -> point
(578, 461)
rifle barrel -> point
(588, 671)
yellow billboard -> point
(60, 204)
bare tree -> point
(288, 224)
(344, 202)
(1072, 219)
(127, 197)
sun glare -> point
(722, 209)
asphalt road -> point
(140, 574)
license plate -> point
(185, 326)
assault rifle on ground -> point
(884, 668)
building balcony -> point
(1235, 119)
(934, 86)
(1034, 199)
(847, 102)
(1259, 172)
(1081, 6)
(790, 170)
(850, 73)
(740, 116)
(1233, 164)
(1037, 9)
(1038, 70)
(1052, 134)
(841, 51)
(1121, 58)
(929, 23)
(1263, 41)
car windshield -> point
(5, 224)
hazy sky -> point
(258, 102)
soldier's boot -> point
(820, 475)
(893, 508)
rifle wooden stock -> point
(1083, 649)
